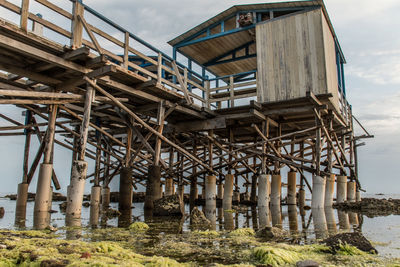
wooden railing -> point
(160, 67)
(233, 91)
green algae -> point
(207, 233)
(346, 249)
(138, 227)
(242, 232)
(276, 256)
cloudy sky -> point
(369, 33)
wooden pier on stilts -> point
(261, 101)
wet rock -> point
(59, 197)
(86, 255)
(54, 263)
(51, 228)
(307, 207)
(372, 207)
(307, 263)
(63, 207)
(354, 239)
(169, 206)
(86, 204)
(2, 211)
(271, 233)
(197, 217)
(2, 246)
(111, 213)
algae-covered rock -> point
(242, 232)
(138, 227)
(276, 256)
(271, 233)
(355, 239)
(307, 263)
(206, 233)
(197, 217)
(169, 206)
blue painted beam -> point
(217, 35)
(231, 52)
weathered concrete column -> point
(291, 190)
(169, 186)
(75, 191)
(152, 187)
(50, 203)
(42, 198)
(341, 189)
(358, 195)
(211, 191)
(229, 223)
(276, 215)
(329, 189)
(125, 189)
(22, 198)
(263, 189)
(95, 196)
(220, 191)
(351, 191)
(353, 219)
(211, 196)
(228, 192)
(105, 198)
(318, 192)
(276, 184)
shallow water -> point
(305, 227)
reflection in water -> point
(330, 220)
(293, 222)
(229, 224)
(344, 223)
(276, 216)
(320, 225)
(353, 219)
(264, 217)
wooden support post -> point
(160, 122)
(43, 197)
(193, 181)
(232, 91)
(208, 100)
(77, 25)
(318, 147)
(79, 167)
(24, 15)
(159, 68)
(126, 51)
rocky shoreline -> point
(372, 207)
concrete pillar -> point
(302, 197)
(341, 189)
(318, 192)
(276, 184)
(95, 196)
(228, 192)
(358, 196)
(50, 203)
(211, 190)
(211, 195)
(353, 218)
(351, 191)
(291, 191)
(229, 223)
(220, 191)
(329, 189)
(75, 192)
(276, 215)
(169, 187)
(152, 187)
(125, 189)
(263, 188)
(105, 198)
(20, 209)
(42, 198)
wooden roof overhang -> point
(225, 49)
